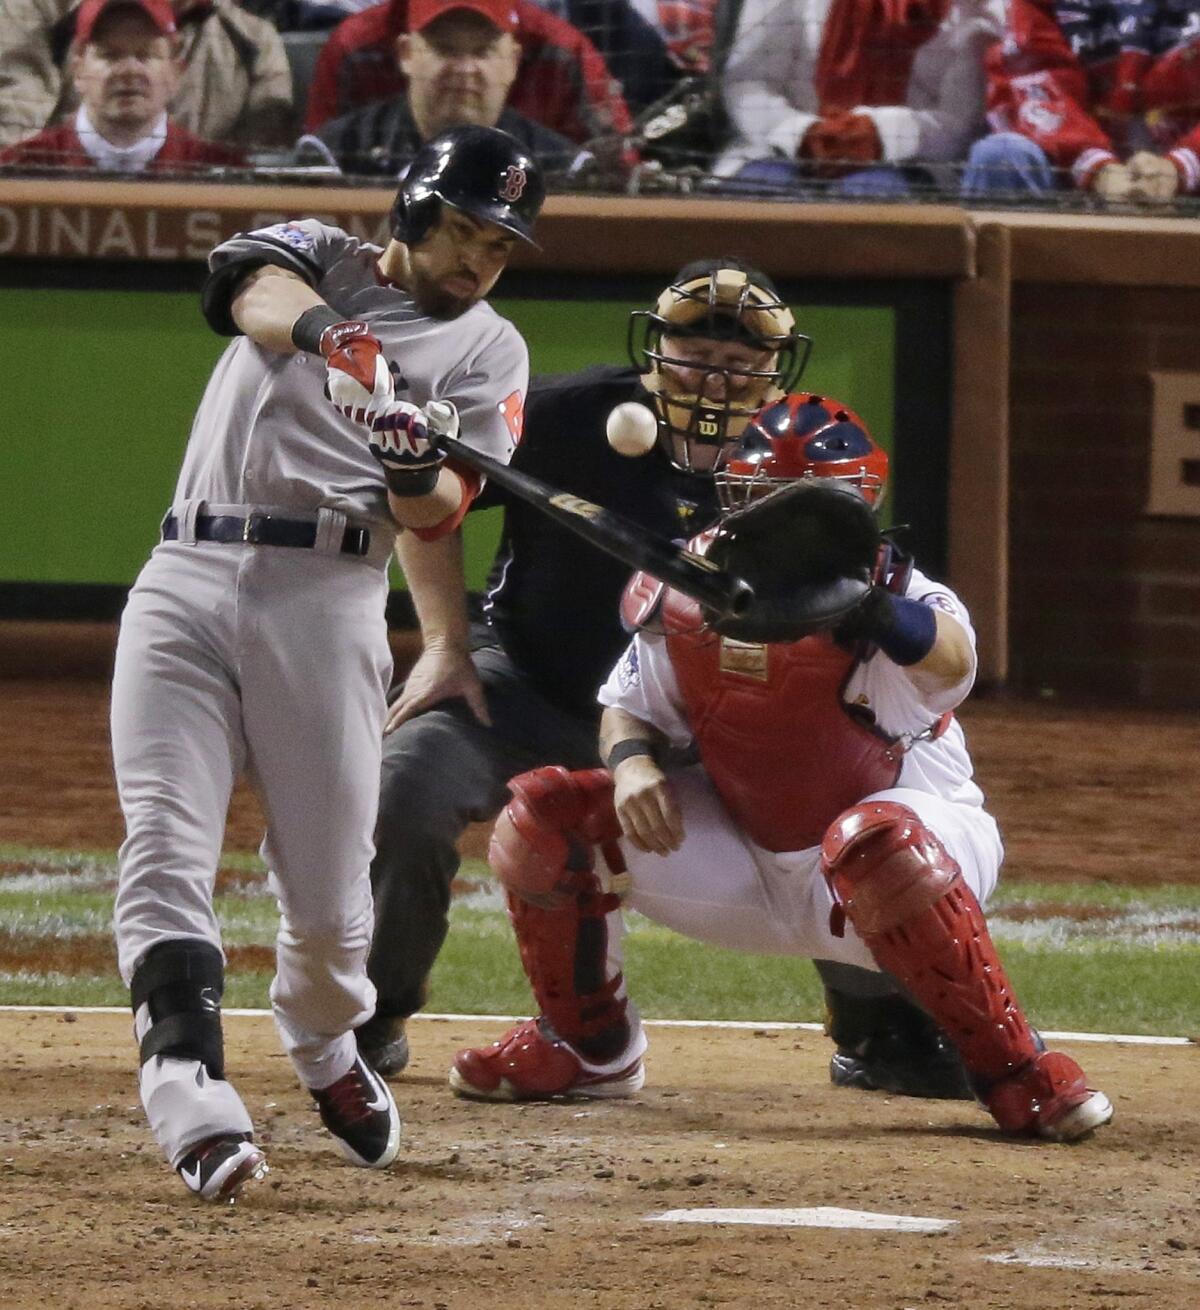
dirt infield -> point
(547, 1206)
(1081, 794)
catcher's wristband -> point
(910, 631)
(626, 750)
(312, 325)
(407, 483)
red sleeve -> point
(357, 63)
(30, 151)
(563, 81)
(181, 147)
(323, 88)
(471, 484)
(1172, 83)
(1036, 86)
(1186, 157)
(53, 147)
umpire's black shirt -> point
(554, 599)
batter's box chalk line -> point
(821, 1216)
(751, 1025)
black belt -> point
(265, 530)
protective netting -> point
(1089, 106)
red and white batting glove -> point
(399, 439)
(357, 378)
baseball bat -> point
(680, 568)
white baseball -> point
(631, 429)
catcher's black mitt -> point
(807, 550)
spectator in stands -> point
(629, 42)
(687, 27)
(562, 81)
(125, 68)
(459, 59)
(305, 15)
(1098, 96)
(236, 85)
(855, 96)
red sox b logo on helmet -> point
(513, 186)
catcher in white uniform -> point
(255, 640)
(832, 813)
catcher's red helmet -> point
(803, 436)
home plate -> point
(821, 1216)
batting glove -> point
(399, 439)
(357, 379)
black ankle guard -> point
(182, 983)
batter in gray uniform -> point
(254, 639)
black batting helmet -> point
(480, 170)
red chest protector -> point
(782, 748)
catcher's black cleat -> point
(218, 1168)
(887, 1044)
(383, 1042)
(941, 1078)
(359, 1111)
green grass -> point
(1082, 957)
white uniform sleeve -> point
(766, 83)
(944, 109)
(489, 388)
(643, 684)
(901, 708)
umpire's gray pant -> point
(442, 771)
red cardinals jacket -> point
(60, 147)
(1093, 80)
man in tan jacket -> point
(236, 85)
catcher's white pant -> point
(274, 661)
(720, 887)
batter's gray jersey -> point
(265, 434)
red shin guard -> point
(543, 851)
(907, 900)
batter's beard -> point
(441, 304)
(438, 302)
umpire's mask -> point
(717, 346)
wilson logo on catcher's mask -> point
(515, 180)
(718, 345)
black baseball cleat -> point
(939, 1076)
(383, 1042)
(218, 1168)
(887, 1044)
(359, 1111)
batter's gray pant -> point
(442, 771)
(272, 661)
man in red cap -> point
(459, 59)
(564, 83)
(125, 67)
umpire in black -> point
(718, 345)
